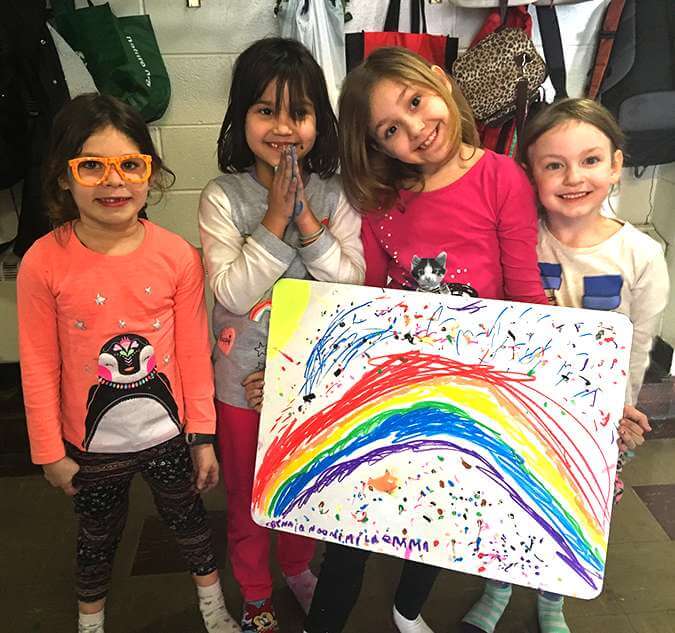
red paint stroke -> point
(391, 373)
(288, 358)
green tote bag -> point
(121, 54)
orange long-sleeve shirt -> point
(114, 349)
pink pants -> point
(249, 544)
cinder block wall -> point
(200, 45)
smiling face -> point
(270, 128)
(114, 203)
(411, 124)
(573, 166)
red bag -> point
(437, 49)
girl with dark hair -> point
(114, 352)
(278, 211)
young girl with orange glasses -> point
(114, 352)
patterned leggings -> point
(102, 505)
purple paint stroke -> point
(473, 307)
(339, 471)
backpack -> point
(502, 136)
(637, 81)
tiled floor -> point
(151, 595)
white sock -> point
(214, 612)
(91, 622)
(418, 625)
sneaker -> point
(259, 617)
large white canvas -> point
(471, 434)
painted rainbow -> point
(418, 402)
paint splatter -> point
(386, 483)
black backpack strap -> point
(503, 12)
(417, 11)
(451, 52)
(553, 50)
(670, 20)
(504, 133)
(393, 15)
(354, 49)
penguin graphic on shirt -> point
(132, 406)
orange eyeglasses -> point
(91, 171)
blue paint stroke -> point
(406, 429)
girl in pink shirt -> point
(440, 215)
(114, 351)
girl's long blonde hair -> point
(372, 179)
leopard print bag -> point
(499, 71)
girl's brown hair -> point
(371, 178)
(80, 118)
(564, 111)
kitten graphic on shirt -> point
(429, 272)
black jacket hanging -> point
(38, 91)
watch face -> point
(199, 438)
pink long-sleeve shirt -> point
(114, 349)
(479, 232)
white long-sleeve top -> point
(626, 273)
(244, 260)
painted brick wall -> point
(200, 45)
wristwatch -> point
(195, 439)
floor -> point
(150, 594)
